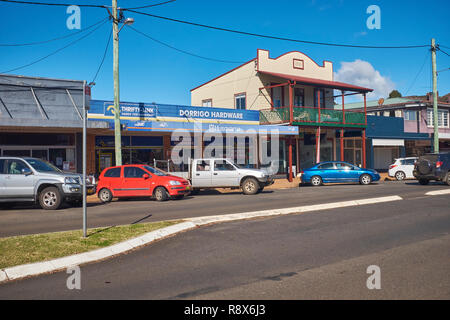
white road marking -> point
(266, 213)
(438, 192)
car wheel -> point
(316, 181)
(161, 194)
(400, 175)
(424, 181)
(365, 179)
(250, 186)
(447, 178)
(50, 198)
(105, 195)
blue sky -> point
(150, 72)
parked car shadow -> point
(336, 184)
(35, 206)
(431, 183)
(213, 192)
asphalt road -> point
(315, 255)
(28, 220)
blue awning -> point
(165, 126)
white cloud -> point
(362, 73)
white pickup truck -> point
(223, 173)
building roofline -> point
(223, 74)
(36, 78)
(295, 51)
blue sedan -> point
(338, 171)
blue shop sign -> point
(148, 111)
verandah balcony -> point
(310, 116)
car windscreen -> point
(240, 166)
(42, 166)
(155, 171)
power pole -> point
(117, 133)
(435, 97)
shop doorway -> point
(353, 151)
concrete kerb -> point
(33, 269)
(28, 270)
(3, 276)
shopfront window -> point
(37, 139)
(135, 150)
(16, 153)
(58, 149)
(61, 158)
(40, 154)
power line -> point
(54, 52)
(275, 37)
(444, 52)
(223, 29)
(83, 5)
(50, 40)
(150, 5)
(182, 51)
(54, 4)
(104, 56)
(417, 75)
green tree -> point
(395, 94)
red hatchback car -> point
(140, 181)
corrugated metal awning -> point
(320, 83)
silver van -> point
(38, 181)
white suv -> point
(402, 168)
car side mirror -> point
(26, 171)
(145, 176)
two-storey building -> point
(294, 90)
(415, 117)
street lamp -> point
(127, 22)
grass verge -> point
(46, 246)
